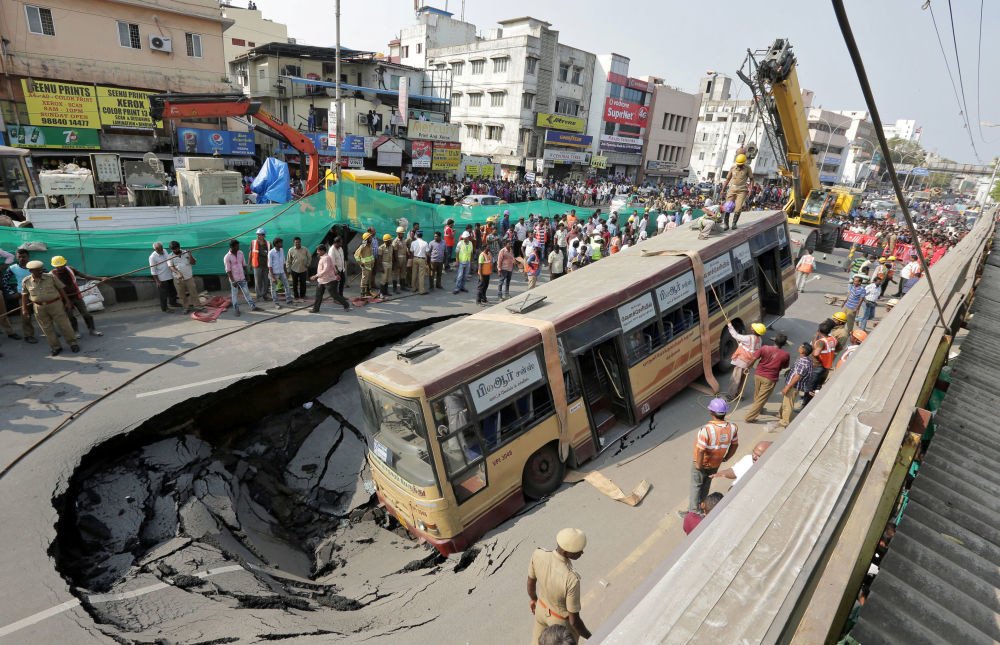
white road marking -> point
(220, 379)
(105, 597)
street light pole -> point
(336, 98)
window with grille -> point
(457, 68)
(40, 20)
(527, 101)
(563, 73)
(456, 99)
(128, 35)
(496, 99)
(475, 100)
(500, 65)
(494, 132)
(239, 42)
(529, 65)
(193, 42)
(473, 130)
(576, 75)
(478, 66)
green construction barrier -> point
(115, 252)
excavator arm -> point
(211, 106)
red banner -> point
(619, 111)
(858, 238)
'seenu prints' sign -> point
(505, 382)
(634, 314)
(676, 291)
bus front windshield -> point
(398, 435)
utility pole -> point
(336, 98)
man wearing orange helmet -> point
(858, 336)
(737, 186)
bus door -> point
(604, 381)
(769, 283)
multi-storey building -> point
(669, 133)
(620, 128)
(521, 97)
(828, 133)
(87, 66)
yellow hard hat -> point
(758, 328)
(58, 261)
(386, 237)
(366, 235)
(892, 258)
(741, 159)
(839, 316)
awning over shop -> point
(373, 90)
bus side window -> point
(520, 414)
(461, 446)
(785, 256)
(643, 341)
(748, 280)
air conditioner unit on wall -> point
(161, 44)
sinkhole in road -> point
(268, 473)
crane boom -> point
(200, 106)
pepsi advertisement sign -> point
(207, 142)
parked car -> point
(481, 200)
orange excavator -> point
(213, 106)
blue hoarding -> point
(557, 138)
(206, 142)
(354, 146)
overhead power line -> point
(954, 88)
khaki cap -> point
(571, 540)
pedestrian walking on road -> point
(235, 264)
(326, 278)
(505, 264)
(67, 275)
(181, 263)
(746, 354)
(554, 586)
(463, 262)
(20, 271)
(47, 297)
(804, 269)
(870, 302)
(276, 272)
(855, 294)
(796, 382)
(336, 253)
(773, 359)
(258, 260)
(716, 442)
(436, 257)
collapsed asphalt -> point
(265, 479)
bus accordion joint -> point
(553, 368)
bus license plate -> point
(380, 451)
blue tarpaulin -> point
(272, 183)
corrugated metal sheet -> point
(940, 580)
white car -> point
(481, 200)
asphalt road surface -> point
(230, 574)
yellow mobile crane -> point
(775, 84)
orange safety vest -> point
(745, 355)
(715, 439)
(254, 256)
(806, 264)
(827, 353)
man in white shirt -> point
(336, 254)
(181, 263)
(162, 276)
(742, 466)
(276, 272)
(661, 222)
(909, 275)
(420, 261)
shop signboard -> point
(430, 131)
(568, 139)
(624, 112)
(621, 144)
(206, 142)
(35, 136)
(598, 161)
(565, 156)
(421, 153)
(61, 104)
(446, 156)
(125, 108)
(561, 122)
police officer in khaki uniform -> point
(400, 249)
(737, 185)
(48, 299)
(385, 262)
(554, 587)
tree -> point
(903, 151)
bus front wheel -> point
(543, 472)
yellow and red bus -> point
(489, 410)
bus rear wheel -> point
(543, 473)
(727, 345)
